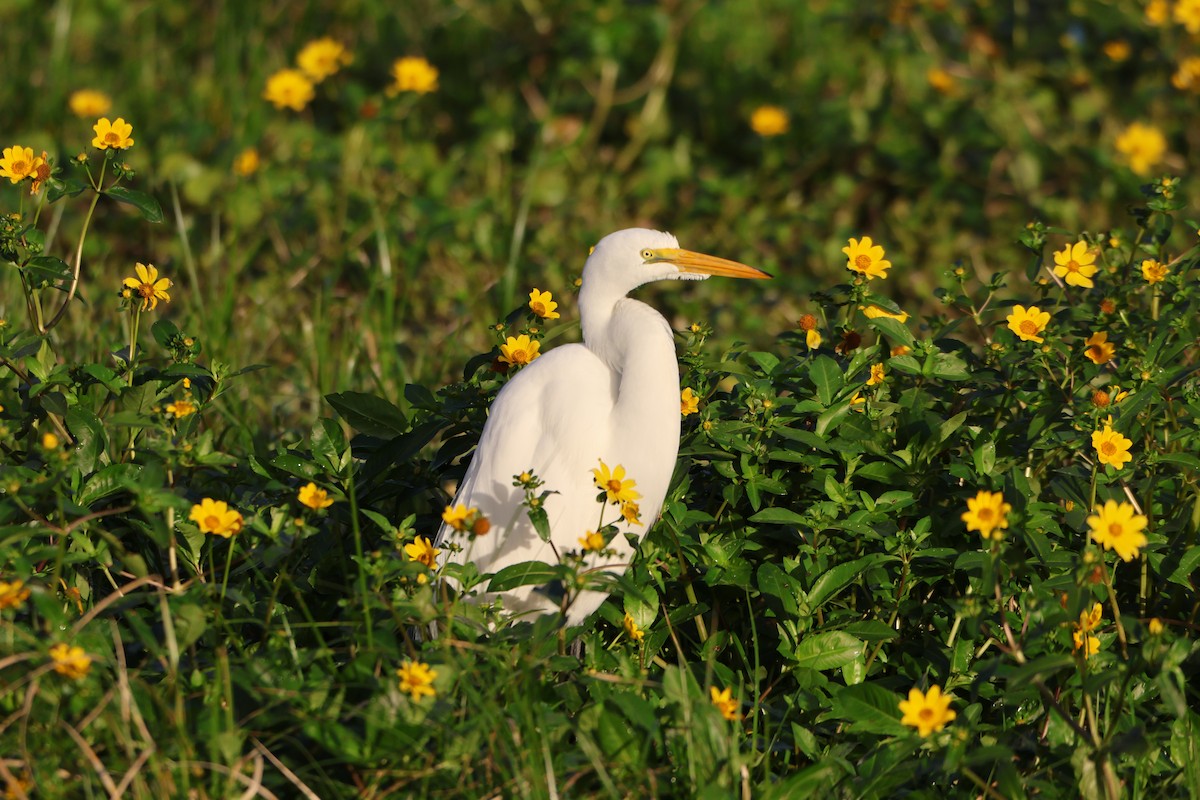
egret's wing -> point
(551, 419)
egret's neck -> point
(597, 300)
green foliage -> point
(217, 580)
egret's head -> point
(627, 259)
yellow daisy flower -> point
(1187, 14)
(148, 286)
(941, 80)
(89, 103)
(877, 376)
(723, 700)
(517, 351)
(459, 517)
(613, 482)
(1155, 626)
(423, 551)
(19, 163)
(542, 304)
(593, 542)
(1111, 447)
(49, 441)
(1188, 75)
(1117, 50)
(812, 336)
(1090, 620)
(314, 497)
(900, 350)
(1116, 526)
(289, 88)
(246, 163)
(115, 135)
(1098, 349)
(875, 312)
(768, 121)
(12, 595)
(322, 57)
(181, 408)
(1076, 264)
(1154, 271)
(927, 712)
(70, 661)
(1157, 11)
(216, 517)
(1089, 643)
(689, 403)
(866, 258)
(1143, 147)
(987, 513)
(635, 633)
(1029, 323)
(413, 74)
(416, 679)
(631, 513)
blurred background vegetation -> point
(379, 236)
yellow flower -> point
(769, 121)
(289, 88)
(812, 336)
(593, 542)
(1087, 642)
(19, 163)
(322, 57)
(1117, 50)
(1090, 620)
(987, 513)
(1187, 14)
(613, 482)
(423, 551)
(941, 80)
(900, 350)
(246, 163)
(723, 700)
(89, 103)
(49, 441)
(1099, 349)
(1143, 146)
(517, 351)
(689, 403)
(631, 628)
(413, 74)
(858, 403)
(1154, 271)
(1111, 447)
(542, 304)
(1188, 75)
(41, 171)
(1156, 627)
(12, 595)
(927, 712)
(1116, 526)
(216, 517)
(631, 513)
(70, 661)
(1157, 11)
(181, 408)
(866, 258)
(875, 312)
(148, 286)
(314, 497)
(1028, 323)
(1076, 264)
(876, 375)
(416, 679)
(112, 134)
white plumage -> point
(615, 398)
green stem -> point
(87, 220)
(133, 334)
(228, 562)
(352, 493)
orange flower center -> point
(925, 713)
(1072, 266)
(111, 138)
(1029, 327)
(614, 486)
(146, 290)
(212, 521)
(1115, 529)
(538, 309)
(519, 357)
(985, 514)
(863, 262)
(1108, 448)
(20, 167)
(808, 322)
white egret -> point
(613, 399)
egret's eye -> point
(647, 254)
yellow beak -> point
(702, 264)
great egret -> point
(613, 399)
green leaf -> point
(46, 270)
(894, 329)
(527, 573)
(906, 364)
(1187, 565)
(828, 650)
(827, 377)
(108, 481)
(778, 516)
(869, 708)
(65, 187)
(949, 367)
(164, 331)
(90, 440)
(773, 582)
(834, 580)
(151, 210)
(369, 414)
